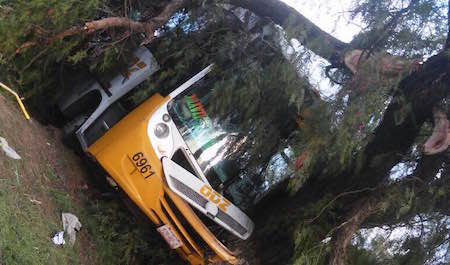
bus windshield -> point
(231, 145)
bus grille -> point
(231, 222)
(201, 201)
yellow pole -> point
(17, 98)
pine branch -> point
(390, 26)
(147, 27)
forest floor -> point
(51, 179)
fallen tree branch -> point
(147, 27)
(68, 32)
(115, 22)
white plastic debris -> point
(326, 240)
(8, 150)
(71, 225)
(58, 238)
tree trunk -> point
(309, 34)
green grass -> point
(113, 233)
(25, 230)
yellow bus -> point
(167, 155)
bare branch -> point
(111, 22)
(25, 45)
(339, 196)
(346, 230)
(388, 29)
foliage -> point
(36, 62)
(37, 68)
(408, 28)
(339, 130)
(343, 125)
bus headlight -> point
(161, 130)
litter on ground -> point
(58, 238)
(71, 225)
(8, 150)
